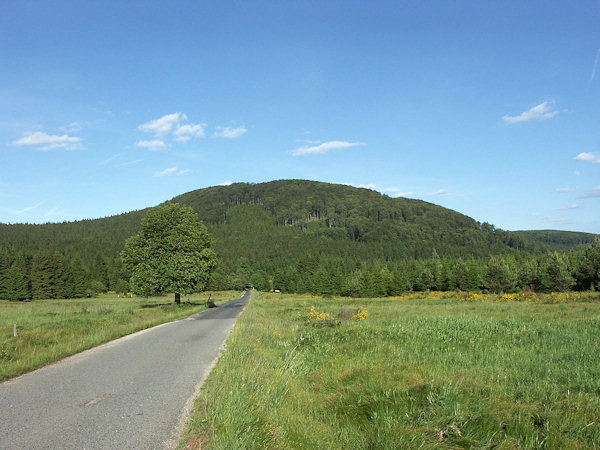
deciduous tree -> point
(171, 253)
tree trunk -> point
(177, 298)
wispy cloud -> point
(130, 163)
(595, 65)
(230, 132)
(592, 193)
(325, 147)
(226, 183)
(588, 157)
(24, 210)
(153, 145)
(52, 211)
(171, 171)
(539, 112)
(390, 191)
(112, 158)
(166, 173)
(442, 193)
(548, 219)
(164, 125)
(567, 208)
(566, 189)
(43, 141)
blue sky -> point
(489, 108)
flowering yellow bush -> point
(362, 314)
(313, 314)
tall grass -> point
(48, 330)
(413, 374)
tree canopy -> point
(171, 252)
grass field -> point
(303, 372)
(48, 330)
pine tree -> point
(41, 276)
(77, 280)
(17, 282)
(59, 277)
(5, 264)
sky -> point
(488, 108)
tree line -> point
(46, 275)
(323, 275)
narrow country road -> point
(135, 392)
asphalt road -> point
(134, 392)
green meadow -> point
(489, 372)
(48, 330)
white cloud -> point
(51, 212)
(173, 124)
(539, 112)
(153, 145)
(47, 141)
(24, 210)
(185, 132)
(393, 192)
(171, 171)
(390, 191)
(595, 65)
(567, 189)
(166, 173)
(566, 208)
(325, 147)
(226, 183)
(230, 132)
(548, 219)
(589, 157)
(592, 193)
(112, 158)
(368, 186)
(73, 127)
(442, 193)
(130, 163)
(164, 125)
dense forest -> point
(305, 236)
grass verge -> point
(303, 372)
(49, 330)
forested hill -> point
(322, 213)
(290, 225)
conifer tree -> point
(41, 276)
(4, 268)
(78, 279)
(17, 281)
(59, 277)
